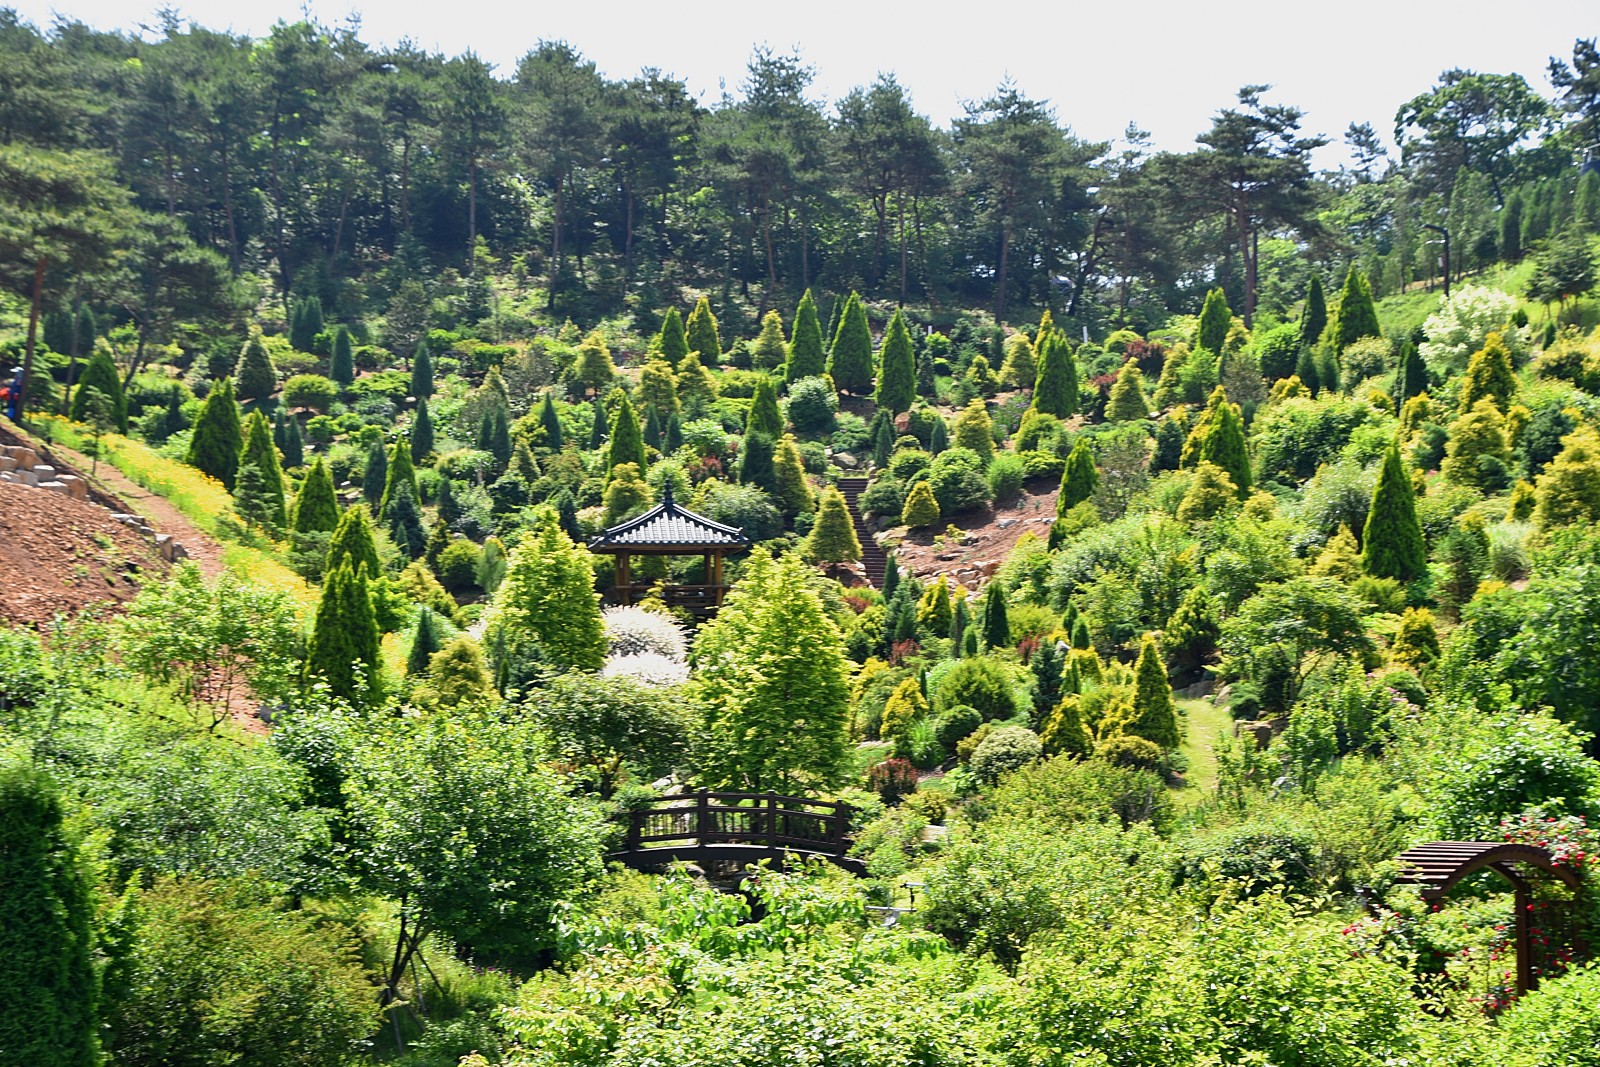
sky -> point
(1166, 66)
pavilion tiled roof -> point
(669, 524)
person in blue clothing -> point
(12, 394)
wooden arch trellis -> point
(1440, 866)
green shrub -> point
(956, 478)
(458, 566)
(956, 724)
(812, 404)
(1004, 750)
(979, 683)
(1005, 477)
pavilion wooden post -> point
(624, 578)
(716, 575)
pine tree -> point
(921, 507)
(449, 507)
(352, 544)
(1416, 645)
(1080, 634)
(1355, 317)
(1169, 386)
(1411, 379)
(672, 436)
(1489, 375)
(1224, 443)
(218, 437)
(1314, 319)
(421, 433)
(1568, 492)
(627, 439)
(100, 373)
(696, 387)
(317, 506)
(601, 428)
(1169, 444)
(756, 462)
(770, 351)
(566, 506)
(806, 356)
(1511, 228)
(1055, 391)
(405, 519)
(375, 479)
(960, 623)
(497, 440)
(833, 536)
(424, 643)
(850, 360)
(927, 380)
(764, 415)
(975, 430)
(1306, 369)
(1210, 493)
(996, 621)
(547, 605)
(550, 422)
(897, 375)
(674, 343)
(1021, 368)
(52, 994)
(935, 612)
(345, 637)
(342, 366)
(1079, 478)
(1154, 716)
(305, 324)
(881, 433)
(259, 452)
(1127, 395)
(702, 334)
(421, 372)
(294, 449)
(1216, 319)
(593, 366)
(793, 490)
(1327, 369)
(1392, 542)
(658, 387)
(891, 577)
(174, 421)
(938, 437)
(652, 429)
(399, 470)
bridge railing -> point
(763, 819)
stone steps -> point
(874, 561)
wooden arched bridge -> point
(1439, 867)
(736, 829)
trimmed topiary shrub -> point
(1004, 750)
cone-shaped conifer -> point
(218, 436)
(674, 343)
(702, 334)
(259, 452)
(317, 506)
(375, 478)
(1216, 319)
(1079, 478)
(1314, 317)
(345, 638)
(627, 439)
(1127, 395)
(1154, 718)
(996, 620)
(422, 373)
(352, 542)
(421, 433)
(342, 366)
(764, 416)
(1392, 545)
(850, 360)
(1055, 390)
(807, 359)
(897, 373)
(100, 373)
(256, 377)
(833, 536)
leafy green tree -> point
(673, 341)
(1356, 316)
(921, 509)
(1392, 545)
(101, 373)
(421, 372)
(996, 620)
(593, 367)
(317, 506)
(260, 453)
(1055, 392)
(770, 351)
(769, 672)
(1489, 374)
(547, 605)
(833, 536)
(342, 364)
(344, 638)
(806, 356)
(702, 335)
(850, 358)
(1216, 319)
(897, 374)
(613, 726)
(1314, 316)
(1303, 621)
(421, 433)
(1079, 478)
(218, 438)
(48, 980)
(1127, 402)
(974, 430)
(255, 375)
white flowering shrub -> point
(639, 631)
(647, 668)
(1461, 324)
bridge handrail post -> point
(636, 819)
(841, 825)
(702, 812)
(772, 820)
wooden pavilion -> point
(669, 529)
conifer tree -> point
(1080, 634)
(352, 543)
(1055, 390)
(174, 420)
(1411, 376)
(1065, 733)
(756, 462)
(1169, 444)
(593, 366)
(935, 612)
(1355, 317)
(424, 642)
(1489, 375)
(259, 452)
(1392, 545)
(674, 343)
(938, 437)
(1216, 319)
(960, 623)
(1079, 478)
(1314, 318)
(833, 536)
(658, 387)
(1416, 645)
(1568, 492)
(927, 380)
(523, 465)
(1224, 443)
(1127, 402)
(652, 429)
(996, 620)
(52, 992)
(881, 433)
(1154, 716)
(550, 422)
(100, 373)
(1511, 228)
(891, 577)
(405, 520)
(696, 387)
(793, 490)
(1169, 386)
(627, 439)
(399, 470)
(345, 637)
(1020, 369)
(305, 323)
(764, 415)
(897, 375)
(421, 433)
(600, 429)
(921, 507)
(672, 436)
(547, 605)
(807, 358)
(421, 372)
(1210, 493)
(770, 351)
(1307, 369)
(702, 334)
(975, 430)
(449, 507)
(317, 506)
(1477, 453)
(494, 437)
(1327, 369)
(375, 479)
(850, 360)
(294, 448)
(218, 436)
(342, 366)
